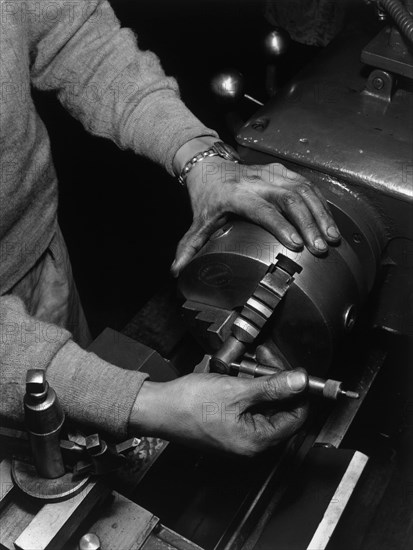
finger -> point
(192, 242)
(269, 354)
(286, 423)
(297, 211)
(307, 209)
(279, 387)
(320, 210)
(276, 171)
(262, 213)
(270, 429)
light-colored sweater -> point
(79, 51)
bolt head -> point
(35, 381)
(94, 444)
(378, 83)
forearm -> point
(96, 395)
(25, 343)
(103, 79)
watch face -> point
(226, 151)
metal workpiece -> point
(44, 418)
(330, 389)
(231, 350)
(252, 368)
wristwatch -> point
(218, 149)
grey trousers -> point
(49, 292)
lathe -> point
(345, 481)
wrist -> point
(190, 149)
(146, 417)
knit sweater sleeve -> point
(94, 394)
(103, 79)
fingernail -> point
(320, 245)
(295, 237)
(296, 380)
(333, 232)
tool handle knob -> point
(90, 541)
(276, 43)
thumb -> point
(188, 246)
(193, 240)
(280, 386)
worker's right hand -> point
(239, 415)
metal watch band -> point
(218, 149)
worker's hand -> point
(281, 201)
(240, 415)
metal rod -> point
(253, 100)
(330, 389)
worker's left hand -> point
(281, 201)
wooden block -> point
(55, 523)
